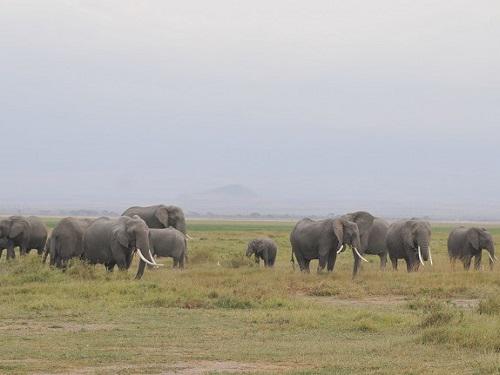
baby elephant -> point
(263, 248)
(169, 242)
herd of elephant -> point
(160, 231)
(366, 234)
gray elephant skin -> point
(169, 242)
(66, 241)
(113, 242)
(160, 216)
(263, 248)
(409, 240)
(465, 243)
(321, 240)
(26, 232)
(372, 233)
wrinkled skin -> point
(113, 242)
(465, 243)
(25, 232)
(160, 216)
(263, 248)
(169, 242)
(403, 239)
(66, 241)
(372, 233)
(321, 239)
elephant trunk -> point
(142, 246)
(424, 248)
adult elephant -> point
(322, 240)
(372, 233)
(66, 241)
(160, 216)
(409, 240)
(113, 242)
(26, 232)
(465, 243)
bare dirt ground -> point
(181, 368)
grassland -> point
(223, 314)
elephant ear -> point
(338, 229)
(473, 238)
(162, 215)
(120, 234)
(16, 228)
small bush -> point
(237, 262)
(490, 306)
(227, 302)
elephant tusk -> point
(154, 260)
(340, 249)
(491, 258)
(420, 256)
(145, 260)
(359, 255)
(188, 237)
(430, 255)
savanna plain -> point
(224, 314)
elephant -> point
(3, 245)
(26, 232)
(169, 242)
(372, 232)
(113, 242)
(160, 216)
(66, 241)
(263, 248)
(409, 240)
(465, 243)
(323, 240)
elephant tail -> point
(293, 261)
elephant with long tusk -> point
(323, 240)
(409, 240)
(467, 243)
(372, 232)
(112, 242)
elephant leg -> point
(257, 259)
(11, 254)
(110, 266)
(301, 261)
(176, 263)
(322, 263)
(306, 265)
(181, 262)
(394, 262)
(332, 258)
(467, 261)
(383, 261)
(477, 262)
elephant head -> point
(417, 235)
(364, 220)
(479, 239)
(347, 233)
(176, 218)
(133, 234)
(13, 227)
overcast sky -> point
(111, 103)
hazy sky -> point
(106, 103)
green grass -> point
(225, 314)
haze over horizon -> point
(331, 106)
